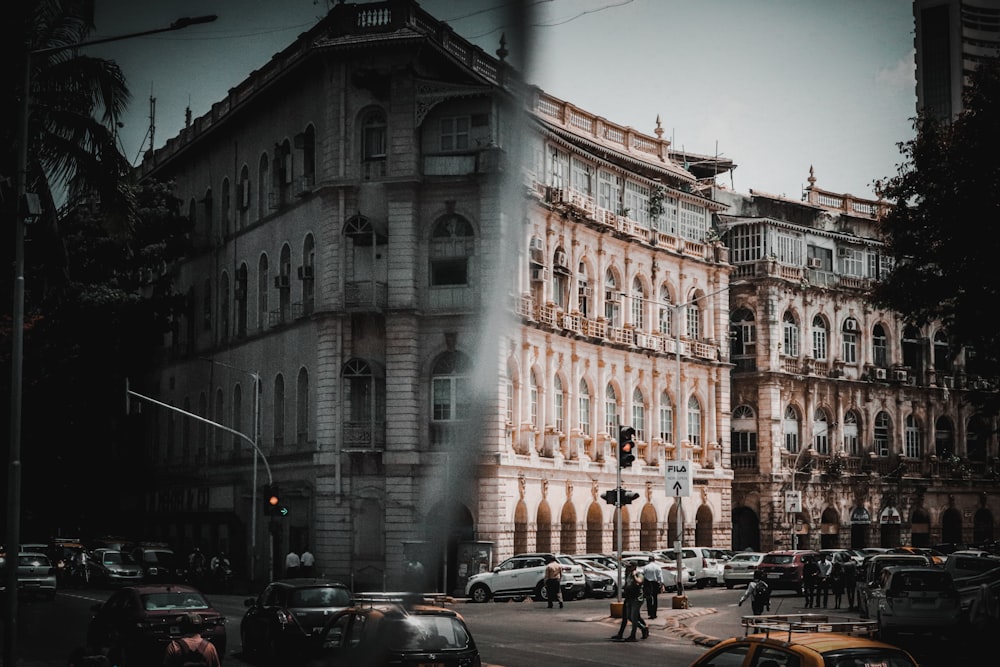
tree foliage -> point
(941, 230)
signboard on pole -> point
(677, 477)
(793, 501)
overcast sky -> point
(775, 85)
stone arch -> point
(982, 526)
(448, 524)
(829, 529)
(595, 528)
(567, 529)
(647, 528)
(746, 529)
(520, 528)
(920, 528)
(543, 527)
(951, 526)
(672, 522)
(703, 526)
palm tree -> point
(75, 105)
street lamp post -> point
(677, 423)
(797, 499)
(23, 208)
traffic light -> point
(628, 496)
(626, 447)
(272, 501)
(610, 497)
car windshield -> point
(112, 558)
(921, 581)
(319, 596)
(427, 633)
(157, 557)
(33, 561)
(777, 559)
(174, 600)
(867, 658)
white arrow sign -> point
(677, 477)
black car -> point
(402, 633)
(279, 622)
(159, 563)
(138, 622)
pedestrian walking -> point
(759, 594)
(837, 579)
(632, 604)
(810, 579)
(850, 581)
(307, 562)
(292, 564)
(825, 568)
(553, 581)
(652, 586)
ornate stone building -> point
(429, 297)
(861, 415)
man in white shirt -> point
(307, 561)
(823, 583)
(292, 563)
(652, 585)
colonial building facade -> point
(423, 302)
(850, 427)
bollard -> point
(616, 609)
(680, 602)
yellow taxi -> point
(805, 640)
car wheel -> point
(701, 583)
(480, 593)
(541, 593)
(729, 585)
(247, 643)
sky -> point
(777, 86)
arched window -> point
(263, 187)
(944, 437)
(224, 307)
(821, 432)
(744, 430)
(638, 415)
(508, 384)
(666, 418)
(533, 399)
(263, 289)
(374, 145)
(240, 299)
(308, 146)
(584, 289)
(911, 348)
(912, 441)
(819, 338)
(284, 174)
(243, 198)
(880, 346)
(977, 433)
(692, 318)
(880, 436)
(302, 408)
(227, 205)
(791, 427)
(850, 341)
(208, 208)
(584, 408)
(852, 444)
(612, 300)
(284, 285)
(638, 305)
(694, 422)
(789, 335)
(558, 404)
(666, 313)
(611, 411)
(453, 243)
(278, 412)
(364, 393)
(560, 279)
(306, 274)
(450, 387)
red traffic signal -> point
(626, 447)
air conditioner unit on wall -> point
(612, 296)
(899, 375)
(560, 258)
(281, 281)
(879, 374)
(815, 263)
(843, 252)
(539, 274)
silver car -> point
(111, 566)
(36, 575)
(738, 570)
(917, 599)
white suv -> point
(707, 569)
(524, 575)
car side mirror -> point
(250, 602)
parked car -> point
(970, 562)
(137, 622)
(853, 554)
(916, 599)
(783, 568)
(604, 559)
(600, 580)
(382, 632)
(937, 557)
(669, 569)
(739, 570)
(701, 561)
(524, 575)
(113, 567)
(868, 576)
(36, 576)
(782, 644)
(280, 621)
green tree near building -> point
(941, 231)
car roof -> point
(821, 642)
(144, 589)
(308, 583)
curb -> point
(676, 625)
